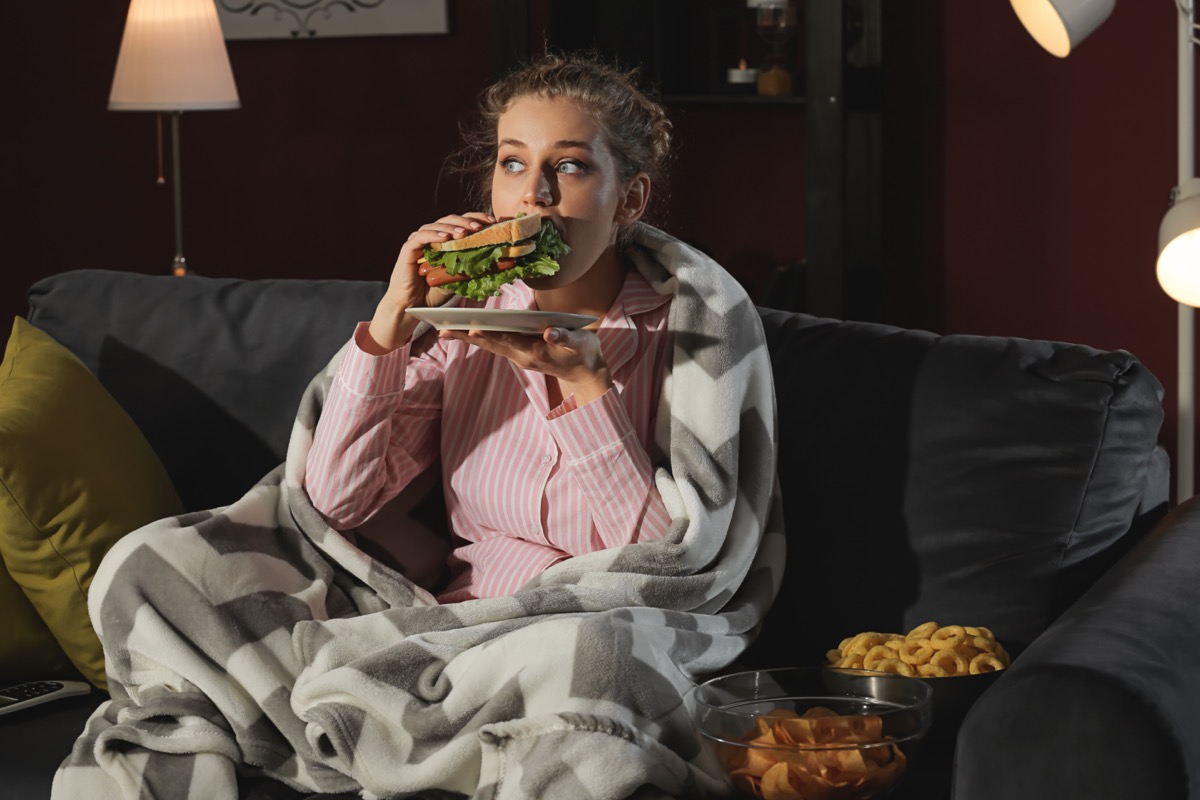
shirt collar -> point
(618, 334)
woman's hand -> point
(390, 328)
(571, 356)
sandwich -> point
(476, 266)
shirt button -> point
(546, 459)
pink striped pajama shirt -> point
(526, 486)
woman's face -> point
(552, 159)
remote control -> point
(24, 695)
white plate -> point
(506, 320)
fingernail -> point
(553, 335)
(476, 225)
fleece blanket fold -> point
(255, 640)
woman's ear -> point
(636, 198)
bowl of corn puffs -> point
(960, 662)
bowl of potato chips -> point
(820, 732)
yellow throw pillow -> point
(76, 474)
(27, 648)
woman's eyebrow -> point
(562, 143)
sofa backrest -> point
(962, 479)
(211, 370)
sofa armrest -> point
(1109, 695)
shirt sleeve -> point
(376, 433)
(613, 469)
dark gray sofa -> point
(980, 480)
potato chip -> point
(777, 784)
(812, 756)
(757, 759)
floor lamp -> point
(173, 59)
(1179, 251)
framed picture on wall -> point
(307, 19)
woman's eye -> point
(570, 167)
(512, 166)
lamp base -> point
(179, 267)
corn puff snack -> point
(927, 651)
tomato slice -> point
(437, 276)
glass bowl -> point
(807, 732)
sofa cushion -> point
(210, 369)
(75, 476)
(961, 479)
(28, 651)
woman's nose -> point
(539, 191)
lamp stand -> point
(179, 265)
(1185, 455)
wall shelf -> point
(733, 100)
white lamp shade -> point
(1179, 246)
(172, 58)
(1060, 25)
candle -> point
(742, 74)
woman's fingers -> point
(406, 287)
(562, 337)
(459, 225)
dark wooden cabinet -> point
(683, 48)
(844, 157)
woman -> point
(611, 490)
(549, 460)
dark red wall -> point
(334, 155)
(1057, 174)
(1023, 191)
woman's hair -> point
(635, 127)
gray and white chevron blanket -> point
(254, 640)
